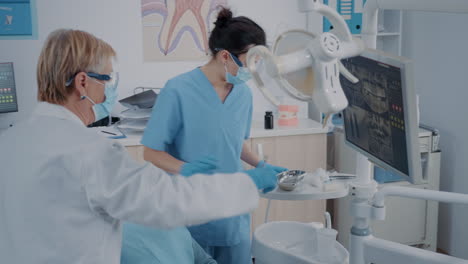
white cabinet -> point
(389, 31)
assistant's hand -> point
(264, 178)
(203, 165)
(264, 164)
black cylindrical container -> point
(269, 120)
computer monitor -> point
(8, 99)
(381, 119)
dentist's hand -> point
(264, 164)
(264, 178)
(204, 165)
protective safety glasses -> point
(112, 77)
(234, 58)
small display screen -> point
(374, 120)
(8, 99)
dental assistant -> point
(64, 189)
(208, 112)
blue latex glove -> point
(204, 165)
(264, 164)
(264, 178)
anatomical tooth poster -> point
(16, 18)
(177, 30)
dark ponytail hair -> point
(234, 34)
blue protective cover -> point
(384, 176)
(146, 245)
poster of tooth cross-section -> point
(177, 30)
(16, 18)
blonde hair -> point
(67, 52)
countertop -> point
(305, 127)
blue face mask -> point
(243, 74)
(110, 91)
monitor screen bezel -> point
(16, 94)
(410, 115)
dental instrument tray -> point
(143, 100)
(288, 180)
(296, 185)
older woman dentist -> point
(64, 190)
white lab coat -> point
(64, 191)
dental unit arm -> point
(366, 248)
(322, 54)
(367, 203)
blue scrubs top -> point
(190, 121)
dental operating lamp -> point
(322, 53)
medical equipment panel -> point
(380, 121)
(8, 98)
(350, 10)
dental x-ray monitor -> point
(8, 100)
(381, 119)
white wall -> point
(437, 42)
(119, 23)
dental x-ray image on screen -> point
(375, 120)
